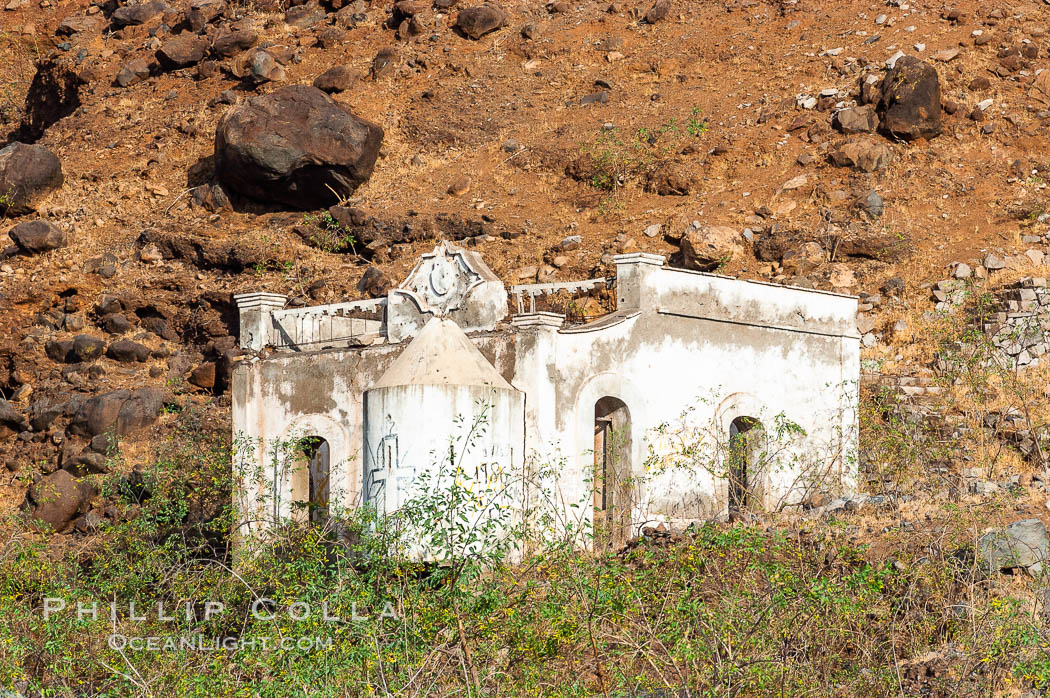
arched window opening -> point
(311, 478)
(746, 438)
(612, 472)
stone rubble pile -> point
(1020, 328)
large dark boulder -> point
(910, 106)
(295, 146)
(54, 500)
(476, 22)
(28, 173)
(120, 412)
(33, 237)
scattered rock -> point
(11, 421)
(803, 259)
(33, 237)
(231, 43)
(994, 262)
(133, 72)
(862, 154)
(126, 351)
(211, 197)
(477, 21)
(1021, 544)
(204, 376)
(306, 15)
(857, 119)
(459, 186)
(78, 25)
(184, 50)
(910, 106)
(28, 173)
(383, 63)
(658, 11)
(115, 323)
(263, 68)
(669, 179)
(872, 204)
(295, 146)
(131, 15)
(707, 247)
(338, 78)
(120, 412)
(200, 13)
(374, 283)
(86, 348)
(56, 498)
(572, 242)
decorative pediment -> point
(448, 283)
(442, 280)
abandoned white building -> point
(699, 393)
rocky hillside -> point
(161, 157)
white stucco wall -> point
(686, 352)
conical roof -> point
(441, 354)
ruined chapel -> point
(697, 394)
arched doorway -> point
(744, 462)
(613, 500)
(311, 477)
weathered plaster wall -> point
(686, 352)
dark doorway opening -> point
(746, 442)
(613, 500)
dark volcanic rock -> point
(475, 22)
(336, 79)
(134, 72)
(374, 283)
(33, 237)
(130, 15)
(126, 351)
(78, 25)
(295, 146)
(121, 412)
(202, 12)
(658, 11)
(184, 50)
(54, 500)
(28, 173)
(60, 351)
(203, 376)
(115, 323)
(11, 422)
(231, 43)
(383, 63)
(86, 348)
(304, 15)
(910, 106)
